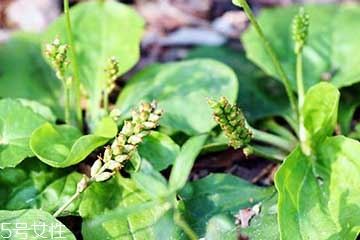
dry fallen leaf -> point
(244, 216)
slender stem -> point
(301, 95)
(280, 130)
(272, 140)
(268, 153)
(82, 185)
(184, 225)
(76, 81)
(106, 100)
(278, 67)
(67, 204)
(67, 103)
(299, 80)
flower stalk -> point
(275, 60)
(300, 28)
(56, 53)
(115, 156)
(75, 83)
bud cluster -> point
(57, 55)
(145, 118)
(112, 72)
(300, 29)
(232, 122)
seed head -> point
(112, 72)
(300, 29)
(144, 118)
(56, 53)
(232, 122)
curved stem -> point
(278, 67)
(67, 204)
(268, 153)
(82, 185)
(282, 131)
(67, 104)
(106, 101)
(184, 226)
(299, 80)
(301, 95)
(76, 81)
(272, 139)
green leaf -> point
(150, 181)
(159, 149)
(33, 184)
(121, 194)
(181, 90)
(219, 194)
(62, 146)
(101, 30)
(185, 161)
(221, 227)
(320, 112)
(39, 108)
(330, 49)
(259, 95)
(321, 191)
(100, 197)
(17, 122)
(264, 226)
(25, 74)
(38, 224)
(59, 192)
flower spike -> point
(232, 122)
(56, 52)
(145, 118)
(300, 29)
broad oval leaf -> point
(259, 95)
(265, 225)
(182, 90)
(329, 53)
(101, 30)
(221, 227)
(33, 184)
(159, 149)
(319, 196)
(320, 112)
(62, 146)
(150, 181)
(117, 209)
(219, 194)
(25, 74)
(17, 122)
(38, 225)
(39, 108)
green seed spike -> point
(56, 52)
(112, 72)
(300, 29)
(232, 122)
